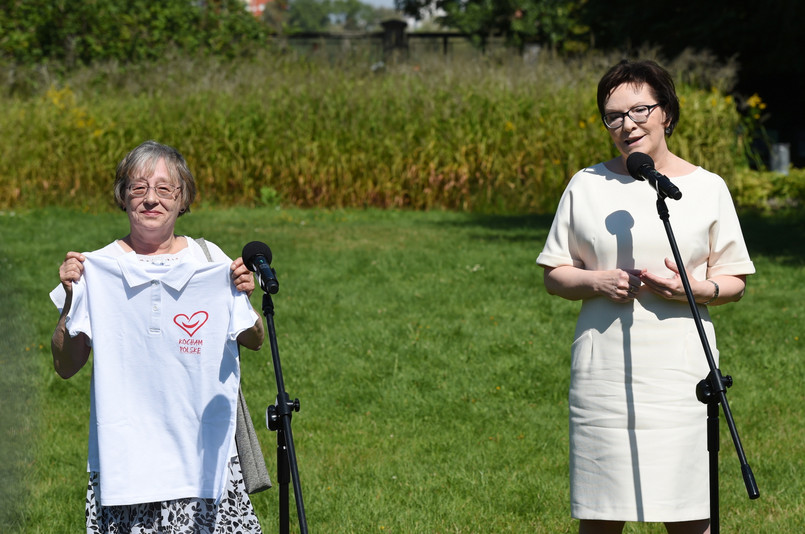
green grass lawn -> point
(430, 363)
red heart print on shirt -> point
(191, 324)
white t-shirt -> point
(165, 371)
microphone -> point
(257, 258)
(641, 167)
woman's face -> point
(647, 137)
(154, 211)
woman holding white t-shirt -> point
(154, 186)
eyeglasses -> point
(162, 190)
(638, 114)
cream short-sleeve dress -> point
(638, 443)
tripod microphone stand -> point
(278, 419)
(712, 390)
(257, 258)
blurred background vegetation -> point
(263, 122)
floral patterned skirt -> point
(233, 515)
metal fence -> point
(391, 44)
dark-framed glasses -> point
(140, 190)
(638, 114)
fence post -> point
(780, 157)
(394, 36)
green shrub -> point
(73, 32)
(767, 192)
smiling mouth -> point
(633, 140)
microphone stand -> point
(711, 391)
(278, 419)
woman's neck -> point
(150, 245)
(665, 162)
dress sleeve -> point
(559, 248)
(728, 252)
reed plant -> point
(490, 134)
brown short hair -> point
(638, 73)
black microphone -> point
(641, 167)
(257, 258)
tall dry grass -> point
(492, 133)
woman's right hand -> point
(574, 283)
(620, 285)
(69, 353)
(70, 270)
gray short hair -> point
(143, 160)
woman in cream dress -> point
(638, 448)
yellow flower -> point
(755, 101)
(61, 98)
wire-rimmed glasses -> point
(140, 190)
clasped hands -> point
(625, 284)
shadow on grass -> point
(513, 228)
(780, 237)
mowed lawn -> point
(430, 363)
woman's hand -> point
(673, 289)
(242, 277)
(731, 287)
(71, 270)
(573, 283)
(69, 353)
(251, 338)
(620, 285)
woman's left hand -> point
(672, 288)
(242, 277)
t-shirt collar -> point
(176, 276)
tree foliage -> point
(553, 23)
(308, 15)
(326, 15)
(353, 15)
(84, 31)
(764, 38)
